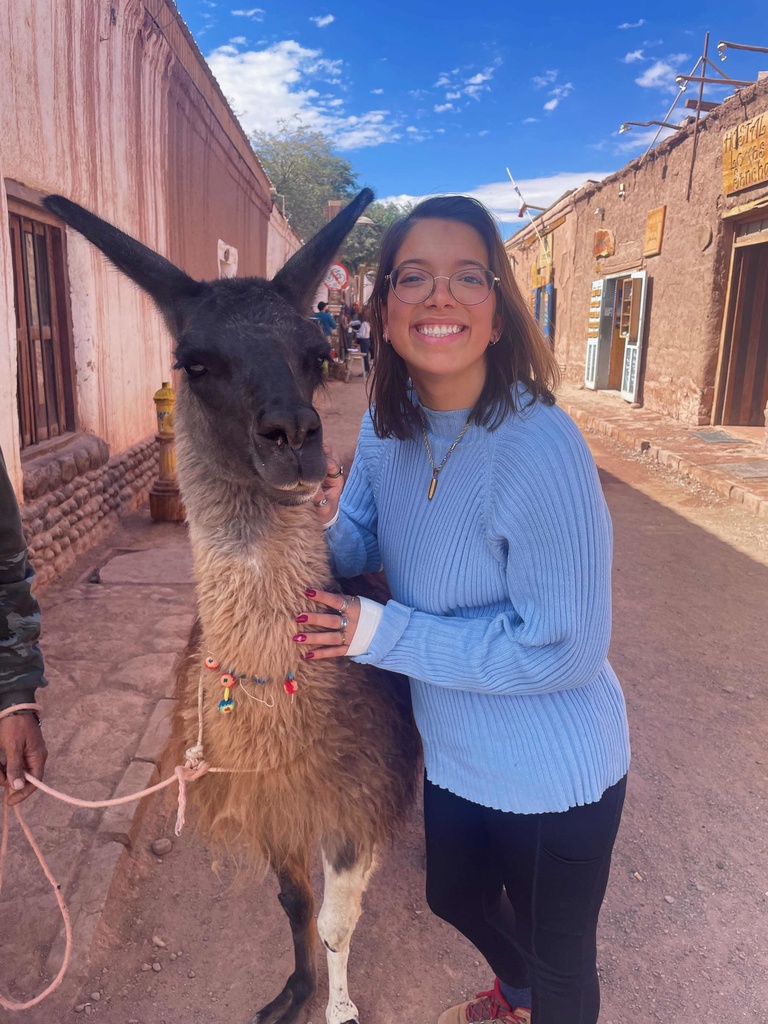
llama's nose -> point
(292, 425)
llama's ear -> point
(166, 284)
(302, 275)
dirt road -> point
(684, 935)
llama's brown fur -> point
(338, 758)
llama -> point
(324, 752)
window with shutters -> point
(46, 398)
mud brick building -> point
(657, 291)
(110, 103)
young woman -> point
(481, 500)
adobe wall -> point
(687, 281)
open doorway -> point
(742, 385)
(616, 320)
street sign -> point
(337, 276)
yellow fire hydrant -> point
(165, 503)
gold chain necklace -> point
(436, 469)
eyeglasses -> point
(469, 286)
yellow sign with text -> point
(745, 154)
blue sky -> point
(423, 97)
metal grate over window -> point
(45, 378)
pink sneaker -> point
(489, 1005)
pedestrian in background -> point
(21, 663)
(481, 500)
(325, 319)
(364, 342)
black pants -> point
(526, 890)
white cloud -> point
(476, 84)
(556, 92)
(633, 24)
(485, 131)
(321, 20)
(440, 108)
(504, 202)
(530, 120)
(661, 74)
(540, 81)
(377, 92)
(633, 57)
(459, 83)
(279, 83)
(256, 13)
(636, 140)
(238, 41)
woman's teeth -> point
(435, 331)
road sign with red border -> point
(337, 276)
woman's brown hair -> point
(521, 355)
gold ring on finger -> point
(333, 476)
(343, 637)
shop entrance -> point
(742, 387)
(616, 319)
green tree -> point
(303, 168)
(364, 240)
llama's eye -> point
(195, 370)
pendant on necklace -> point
(432, 485)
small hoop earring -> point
(494, 340)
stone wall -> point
(75, 495)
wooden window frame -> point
(49, 416)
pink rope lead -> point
(193, 769)
(8, 1004)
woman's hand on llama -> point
(326, 501)
(339, 623)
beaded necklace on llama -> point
(230, 678)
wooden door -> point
(593, 333)
(746, 385)
(633, 341)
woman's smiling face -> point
(441, 341)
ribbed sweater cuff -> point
(393, 624)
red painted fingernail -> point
(302, 618)
(311, 593)
(300, 638)
(308, 655)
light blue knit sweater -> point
(501, 610)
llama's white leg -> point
(342, 905)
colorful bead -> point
(290, 684)
(228, 680)
(227, 705)
(211, 663)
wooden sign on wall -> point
(604, 244)
(654, 231)
(745, 154)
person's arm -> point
(21, 662)
(352, 536)
(549, 525)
